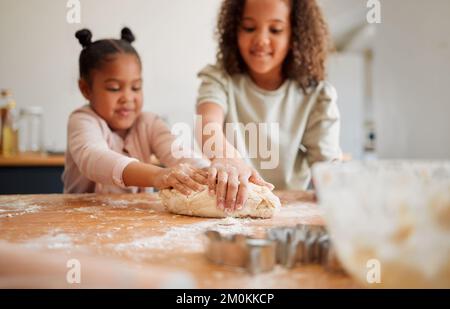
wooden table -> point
(136, 229)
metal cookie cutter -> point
(304, 244)
(256, 255)
(328, 255)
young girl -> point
(270, 69)
(111, 141)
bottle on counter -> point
(9, 128)
(31, 130)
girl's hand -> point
(182, 178)
(228, 179)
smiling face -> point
(115, 92)
(264, 37)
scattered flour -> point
(125, 203)
(114, 204)
(187, 237)
(53, 240)
(87, 209)
(18, 209)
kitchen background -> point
(392, 78)
(393, 81)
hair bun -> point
(127, 35)
(84, 36)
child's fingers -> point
(269, 185)
(221, 189)
(202, 172)
(173, 182)
(232, 189)
(187, 181)
(242, 193)
(199, 175)
(212, 175)
(200, 178)
(257, 179)
(182, 189)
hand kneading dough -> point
(261, 203)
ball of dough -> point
(261, 203)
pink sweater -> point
(97, 156)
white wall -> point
(412, 79)
(39, 53)
(38, 61)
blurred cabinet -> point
(31, 174)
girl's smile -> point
(261, 54)
(124, 112)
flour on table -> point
(187, 237)
(18, 208)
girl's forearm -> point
(138, 174)
(216, 145)
(213, 141)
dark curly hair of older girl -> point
(310, 44)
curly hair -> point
(310, 44)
